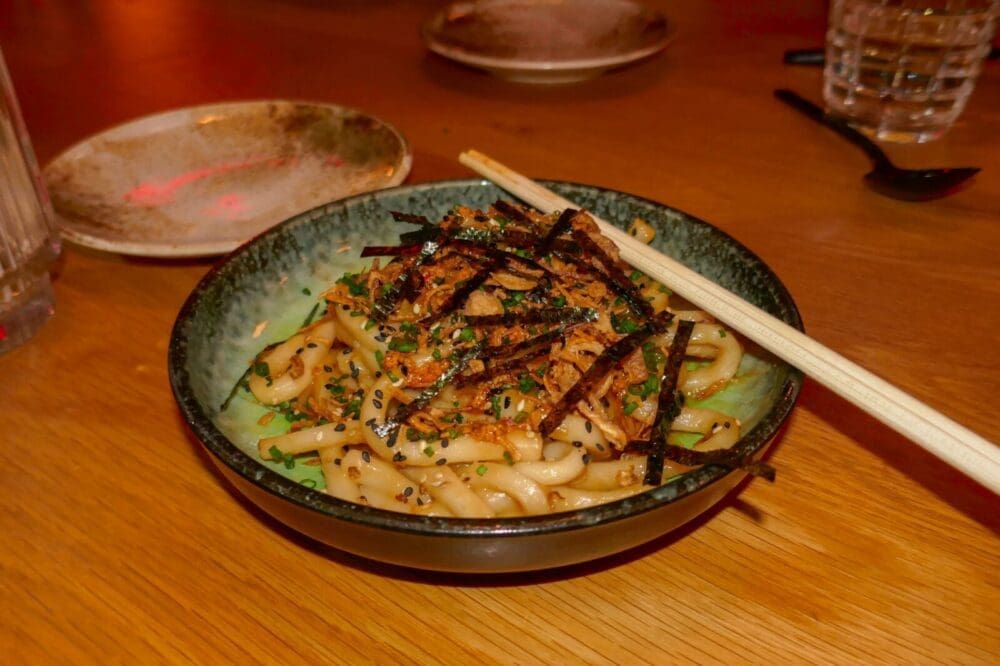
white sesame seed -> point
(520, 406)
(416, 308)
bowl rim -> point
(303, 497)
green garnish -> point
(481, 470)
(495, 407)
(467, 334)
(623, 324)
(350, 281)
(630, 407)
(261, 370)
(403, 345)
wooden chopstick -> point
(946, 439)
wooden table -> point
(120, 542)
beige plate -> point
(542, 41)
(201, 181)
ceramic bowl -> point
(263, 292)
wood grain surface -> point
(119, 542)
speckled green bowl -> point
(277, 278)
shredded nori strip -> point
(669, 402)
(615, 275)
(411, 218)
(513, 212)
(424, 397)
(556, 230)
(536, 316)
(501, 367)
(419, 236)
(506, 351)
(391, 250)
(490, 251)
(457, 298)
(386, 302)
(725, 457)
(601, 366)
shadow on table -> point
(477, 580)
(948, 484)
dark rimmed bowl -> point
(276, 279)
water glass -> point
(903, 70)
(28, 240)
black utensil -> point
(885, 178)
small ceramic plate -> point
(541, 41)
(201, 181)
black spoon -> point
(886, 178)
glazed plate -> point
(541, 41)
(202, 180)
(266, 289)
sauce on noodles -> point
(498, 363)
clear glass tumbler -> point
(29, 242)
(903, 70)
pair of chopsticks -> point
(936, 433)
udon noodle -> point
(498, 363)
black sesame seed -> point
(300, 350)
(420, 502)
(506, 402)
(377, 403)
(600, 447)
(577, 443)
(378, 373)
(398, 457)
(589, 426)
(345, 307)
(367, 457)
(327, 368)
(370, 422)
(445, 443)
(407, 491)
(586, 458)
(440, 461)
(336, 461)
(347, 350)
(312, 345)
(727, 424)
(340, 427)
(404, 370)
(379, 394)
(391, 439)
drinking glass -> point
(903, 70)
(28, 240)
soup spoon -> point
(885, 178)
